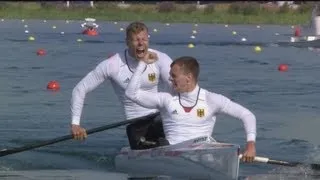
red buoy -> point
(297, 32)
(53, 85)
(90, 32)
(283, 67)
(41, 52)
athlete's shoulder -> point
(217, 98)
(159, 53)
(110, 64)
(111, 59)
(164, 60)
(210, 93)
(114, 57)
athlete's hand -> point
(78, 132)
(250, 152)
(150, 58)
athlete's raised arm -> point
(144, 98)
(164, 63)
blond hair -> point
(135, 28)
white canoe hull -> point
(198, 158)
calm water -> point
(286, 104)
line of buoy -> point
(54, 85)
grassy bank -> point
(234, 13)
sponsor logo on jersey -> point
(127, 80)
(174, 112)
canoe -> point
(302, 42)
(201, 157)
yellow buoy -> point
(31, 38)
(257, 49)
(190, 45)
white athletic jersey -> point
(119, 69)
(181, 123)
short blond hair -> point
(135, 28)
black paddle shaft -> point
(293, 164)
(5, 152)
(286, 163)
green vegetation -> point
(232, 13)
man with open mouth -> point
(118, 69)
